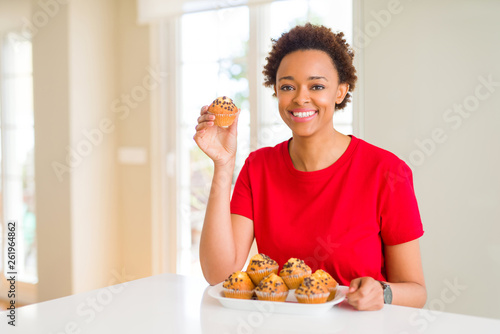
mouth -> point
(302, 115)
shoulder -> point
(381, 162)
(373, 154)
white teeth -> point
(303, 114)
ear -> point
(342, 90)
(274, 87)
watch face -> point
(387, 294)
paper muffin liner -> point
(258, 275)
(333, 292)
(223, 120)
(317, 298)
(272, 296)
(238, 294)
(293, 281)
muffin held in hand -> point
(294, 271)
(224, 110)
(260, 266)
(272, 288)
(312, 291)
(330, 282)
(238, 285)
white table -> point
(171, 303)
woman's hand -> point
(365, 294)
(218, 143)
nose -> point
(301, 97)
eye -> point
(318, 87)
(286, 88)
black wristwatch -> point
(387, 292)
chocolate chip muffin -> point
(260, 266)
(224, 110)
(330, 282)
(272, 288)
(312, 291)
(238, 285)
(294, 271)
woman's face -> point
(307, 89)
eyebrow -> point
(310, 78)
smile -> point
(303, 115)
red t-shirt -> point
(337, 218)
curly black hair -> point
(313, 37)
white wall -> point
(133, 126)
(94, 222)
(52, 135)
(94, 196)
(93, 213)
(11, 11)
(74, 83)
(419, 63)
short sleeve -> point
(400, 219)
(241, 201)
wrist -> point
(223, 176)
(387, 292)
(226, 164)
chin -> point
(303, 132)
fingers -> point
(204, 110)
(205, 120)
(355, 283)
(365, 294)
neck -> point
(313, 153)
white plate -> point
(291, 306)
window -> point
(17, 186)
(223, 53)
(211, 67)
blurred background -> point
(99, 99)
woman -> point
(335, 201)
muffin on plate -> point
(238, 285)
(260, 266)
(312, 291)
(272, 288)
(330, 282)
(294, 271)
(224, 110)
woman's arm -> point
(225, 239)
(404, 275)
